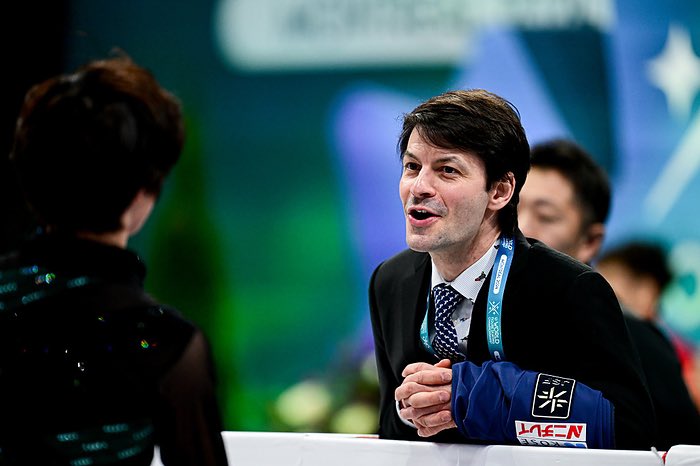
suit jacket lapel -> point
(413, 295)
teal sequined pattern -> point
(108, 444)
(19, 287)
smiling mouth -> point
(420, 214)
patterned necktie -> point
(445, 341)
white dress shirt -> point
(468, 284)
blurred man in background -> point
(639, 273)
(565, 201)
(565, 204)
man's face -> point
(444, 197)
(548, 211)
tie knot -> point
(447, 299)
(445, 295)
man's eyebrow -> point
(446, 159)
(450, 159)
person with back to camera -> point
(481, 335)
(565, 204)
(92, 369)
(639, 273)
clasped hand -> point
(424, 396)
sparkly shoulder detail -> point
(25, 285)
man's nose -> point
(423, 185)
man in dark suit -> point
(481, 335)
(565, 204)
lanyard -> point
(497, 287)
(499, 274)
(424, 334)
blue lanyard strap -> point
(494, 306)
(499, 274)
(424, 333)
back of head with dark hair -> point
(478, 122)
(589, 181)
(86, 143)
(641, 259)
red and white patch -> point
(551, 434)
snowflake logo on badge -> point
(553, 400)
(552, 396)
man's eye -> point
(410, 166)
(449, 170)
(547, 219)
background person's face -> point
(548, 211)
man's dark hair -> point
(478, 122)
(589, 181)
(87, 142)
(642, 259)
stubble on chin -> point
(419, 241)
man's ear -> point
(502, 191)
(590, 243)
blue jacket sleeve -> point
(501, 403)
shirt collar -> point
(468, 283)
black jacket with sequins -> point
(92, 369)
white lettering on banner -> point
(493, 325)
(302, 34)
(493, 332)
(551, 434)
(499, 273)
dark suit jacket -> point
(559, 317)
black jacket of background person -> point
(559, 317)
(678, 421)
(92, 370)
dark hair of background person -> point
(479, 122)
(590, 183)
(641, 259)
(87, 142)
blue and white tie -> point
(445, 342)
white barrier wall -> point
(291, 449)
